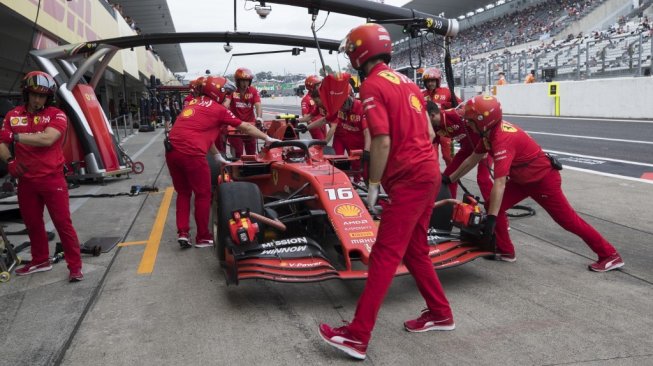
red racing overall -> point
(441, 97)
(452, 126)
(309, 107)
(43, 184)
(517, 156)
(242, 106)
(394, 106)
(195, 129)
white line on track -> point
(609, 175)
(590, 137)
(584, 118)
(599, 158)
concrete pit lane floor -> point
(544, 309)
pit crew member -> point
(245, 104)
(191, 137)
(311, 112)
(449, 123)
(403, 159)
(35, 130)
(350, 132)
(432, 78)
(522, 169)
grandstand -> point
(533, 38)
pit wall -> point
(601, 98)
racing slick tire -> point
(227, 198)
(441, 216)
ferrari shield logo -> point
(507, 127)
(275, 177)
(391, 77)
(188, 112)
(37, 119)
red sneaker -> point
(33, 268)
(183, 240)
(428, 321)
(604, 264)
(341, 339)
(75, 275)
(204, 243)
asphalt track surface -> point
(604, 146)
(150, 303)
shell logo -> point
(188, 112)
(487, 97)
(15, 121)
(348, 210)
(415, 103)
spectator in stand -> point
(502, 79)
(530, 78)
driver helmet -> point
(243, 73)
(38, 82)
(217, 88)
(432, 73)
(311, 82)
(483, 111)
(366, 42)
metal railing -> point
(122, 126)
(618, 56)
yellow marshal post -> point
(554, 91)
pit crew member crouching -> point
(35, 130)
(448, 123)
(522, 169)
(403, 159)
(191, 137)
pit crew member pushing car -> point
(434, 92)
(448, 123)
(245, 104)
(35, 130)
(403, 159)
(522, 169)
(191, 137)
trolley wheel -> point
(138, 167)
(4, 277)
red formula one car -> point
(292, 214)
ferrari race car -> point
(292, 213)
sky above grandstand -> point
(217, 16)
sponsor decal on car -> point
(348, 210)
(282, 242)
(361, 234)
(283, 250)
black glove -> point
(446, 179)
(488, 228)
(302, 128)
(366, 156)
